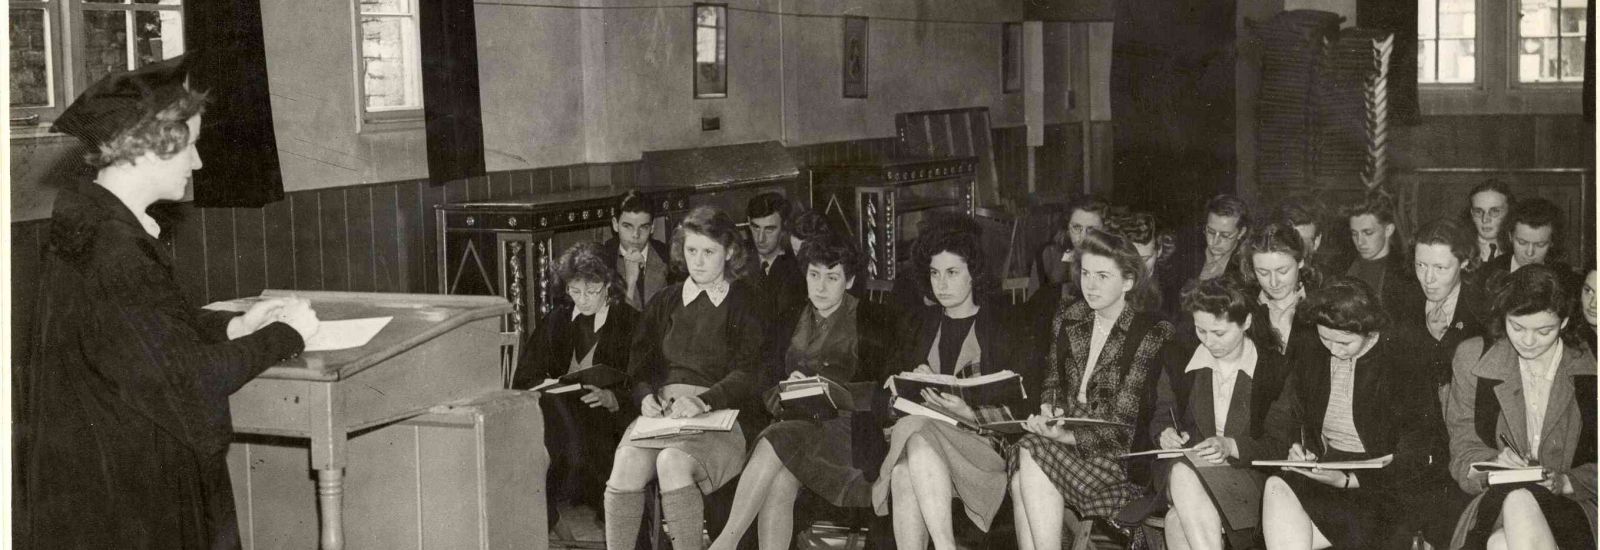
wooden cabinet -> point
(872, 200)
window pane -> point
(1427, 18)
(105, 44)
(1538, 18)
(1457, 62)
(1426, 55)
(158, 35)
(1572, 59)
(710, 51)
(30, 59)
(389, 83)
(385, 6)
(1458, 18)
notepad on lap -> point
(1369, 464)
(714, 421)
(1500, 474)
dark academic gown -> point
(779, 289)
(125, 427)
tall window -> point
(1550, 40)
(60, 47)
(390, 60)
(1447, 45)
(710, 50)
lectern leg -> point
(330, 496)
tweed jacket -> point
(1122, 386)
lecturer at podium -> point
(124, 419)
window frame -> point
(65, 20)
(1497, 90)
(405, 118)
(1513, 52)
(56, 70)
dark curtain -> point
(1400, 18)
(1172, 104)
(238, 145)
(449, 37)
(1588, 67)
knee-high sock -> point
(624, 512)
(684, 511)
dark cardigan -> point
(745, 331)
(1394, 407)
(547, 353)
(124, 425)
(1176, 397)
(1409, 315)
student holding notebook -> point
(1521, 396)
(1361, 395)
(1219, 401)
(696, 350)
(929, 462)
(1107, 352)
(845, 340)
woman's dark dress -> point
(124, 417)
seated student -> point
(1212, 252)
(697, 349)
(1521, 396)
(1535, 231)
(1154, 246)
(1487, 206)
(930, 462)
(1443, 307)
(1308, 218)
(1359, 397)
(910, 294)
(1379, 260)
(1220, 403)
(642, 262)
(776, 276)
(1103, 364)
(1053, 265)
(1583, 334)
(1275, 262)
(581, 428)
(841, 338)
(808, 224)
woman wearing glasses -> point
(582, 428)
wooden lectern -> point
(436, 349)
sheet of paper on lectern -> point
(346, 333)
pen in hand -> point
(1504, 440)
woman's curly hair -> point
(586, 262)
(164, 132)
(828, 250)
(1344, 303)
(1531, 289)
(1276, 237)
(712, 223)
(1120, 250)
(962, 238)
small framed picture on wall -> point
(1011, 58)
(854, 67)
(710, 51)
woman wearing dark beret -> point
(124, 417)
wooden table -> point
(436, 349)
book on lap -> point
(1500, 474)
(991, 421)
(1002, 388)
(1369, 464)
(815, 397)
(653, 428)
(600, 376)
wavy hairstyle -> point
(962, 238)
(1219, 297)
(1530, 289)
(1280, 237)
(809, 224)
(1535, 213)
(1449, 232)
(1141, 228)
(828, 250)
(1344, 303)
(1121, 252)
(711, 222)
(164, 132)
(586, 262)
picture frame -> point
(1011, 58)
(854, 57)
(710, 61)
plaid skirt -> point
(820, 455)
(1094, 486)
(977, 471)
(720, 454)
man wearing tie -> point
(640, 260)
(779, 281)
(1488, 204)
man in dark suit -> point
(643, 262)
(777, 276)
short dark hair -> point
(1217, 296)
(633, 202)
(1530, 289)
(1344, 303)
(1536, 213)
(714, 224)
(164, 132)
(1229, 206)
(1087, 203)
(828, 250)
(1122, 253)
(1376, 203)
(586, 261)
(1141, 228)
(808, 225)
(767, 204)
(1279, 237)
(1301, 212)
(961, 241)
(1449, 232)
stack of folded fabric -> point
(1352, 106)
(1293, 46)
